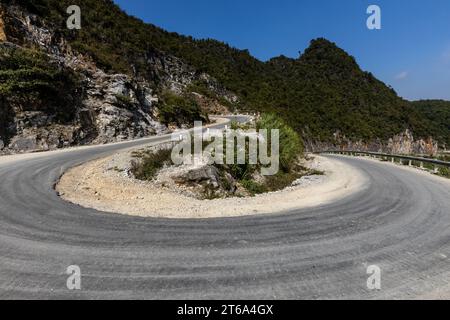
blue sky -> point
(411, 52)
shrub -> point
(321, 92)
(444, 171)
(179, 110)
(253, 187)
(29, 81)
(291, 145)
(150, 164)
(281, 180)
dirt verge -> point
(98, 185)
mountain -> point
(436, 112)
(121, 75)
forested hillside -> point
(438, 113)
(321, 93)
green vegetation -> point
(438, 113)
(179, 110)
(253, 187)
(202, 88)
(247, 175)
(150, 163)
(29, 82)
(444, 171)
(291, 150)
(291, 145)
(318, 94)
(27, 74)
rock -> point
(307, 180)
(24, 144)
(149, 100)
(402, 143)
(209, 178)
(107, 107)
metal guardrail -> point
(393, 157)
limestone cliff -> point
(99, 107)
(403, 143)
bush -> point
(179, 110)
(281, 180)
(253, 187)
(30, 82)
(291, 149)
(444, 171)
(320, 93)
(151, 163)
(291, 145)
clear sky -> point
(411, 52)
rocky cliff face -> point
(105, 107)
(322, 91)
(403, 143)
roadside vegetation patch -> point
(221, 180)
(150, 163)
(30, 82)
(444, 171)
(179, 110)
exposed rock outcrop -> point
(121, 107)
(210, 179)
(197, 180)
(403, 143)
(107, 107)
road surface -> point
(400, 222)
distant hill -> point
(437, 112)
(322, 93)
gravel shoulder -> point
(99, 186)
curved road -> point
(400, 222)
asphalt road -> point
(400, 222)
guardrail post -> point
(434, 164)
